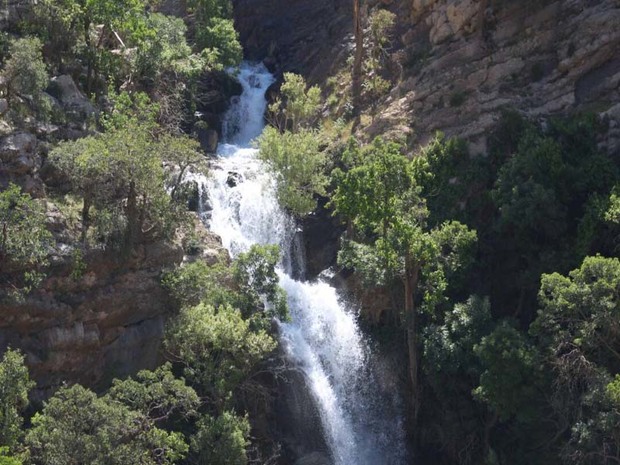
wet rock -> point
(207, 137)
(315, 458)
(233, 179)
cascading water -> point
(362, 423)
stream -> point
(362, 422)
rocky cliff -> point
(105, 321)
(457, 63)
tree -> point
(297, 106)
(221, 440)
(78, 18)
(256, 280)
(217, 348)
(24, 237)
(77, 427)
(158, 395)
(380, 24)
(356, 73)
(221, 40)
(510, 378)
(379, 197)
(248, 285)
(578, 330)
(120, 173)
(298, 164)
(581, 311)
(15, 384)
(25, 71)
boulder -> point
(18, 154)
(73, 101)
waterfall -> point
(361, 421)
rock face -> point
(464, 60)
(457, 63)
(107, 322)
(294, 35)
(20, 162)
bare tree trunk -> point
(356, 75)
(85, 218)
(410, 281)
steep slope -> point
(456, 63)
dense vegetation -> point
(504, 268)
(504, 289)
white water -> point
(361, 423)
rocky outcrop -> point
(93, 324)
(295, 35)
(465, 60)
(20, 162)
(457, 63)
(12, 12)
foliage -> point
(165, 49)
(120, 174)
(6, 459)
(582, 311)
(156, 394)
(24, 237)
(25, 72)
(298, 164)
(378, 195)
(297, 106)
(380, 25)
(508, 382)
(75, 426)
(254, 273)
(221, 440)
(15, 384)
(77, 20)
(221, 41)
(249, 284)
(217, 348)
(449, 346)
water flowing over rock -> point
(361, 423)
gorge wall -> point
(457, 63)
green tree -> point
(23, 235)
(298, 165)
(256, 280)
(582, 311)
(77, 427)
(221, 40)
(158, 395)
(120, 173)
(578, 330)
(379, 197)
(78, 18)
(25, 72)
(221, 440)
(297, 107)
(248, 285)
(217, 348)
(6, 459)
(15, 384)
(510, 379)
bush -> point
(25, 71)
(298, 164)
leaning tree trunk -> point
(356, 76)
